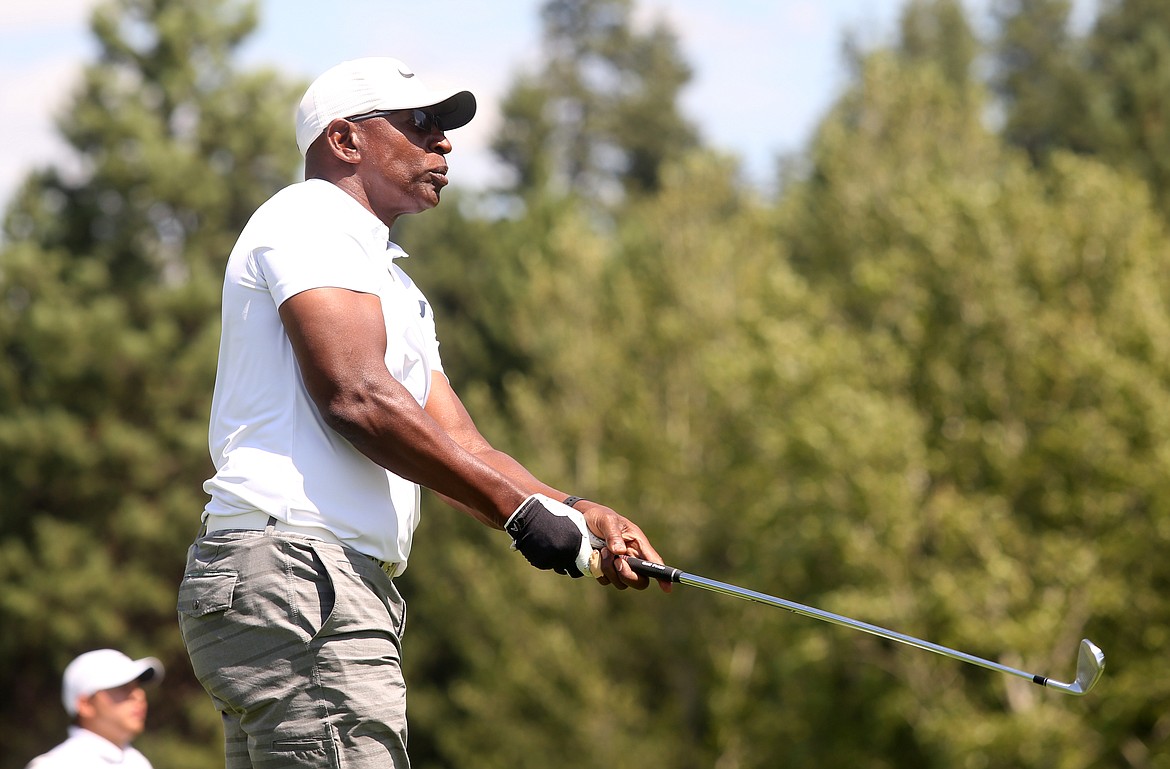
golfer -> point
(103, 693)
(330, 410)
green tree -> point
(873, 399)
(1103, 94)
(1028, 307)
(928, 388)
(670, 356)
(1128, 54)
(601, 116)
(1038, 77)
(927, 391)
(938, 31)
(109, 294)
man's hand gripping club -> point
(553, 535)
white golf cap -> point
(376, 83)
(104, 669)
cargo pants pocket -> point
(206, 593)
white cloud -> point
(807, 18)
(42, 51)
(29, 101)
(21, 16)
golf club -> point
(1090, 662)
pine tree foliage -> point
(1028, 306)
(109, 293)
(938, 32)
(1100, 94)
(1037, 78)
(670, 358)
(1129, 77)
(926, 387)
(601, 117)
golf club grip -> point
(653, 570)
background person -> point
(330, 410)
(103, 692)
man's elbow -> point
(349, 415)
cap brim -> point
(153, 671)
(455, 111)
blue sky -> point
(774, 63)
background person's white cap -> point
(104, 669)
(376, 83)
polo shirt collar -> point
(354, 218)
(394, 251)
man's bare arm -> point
(339, 339)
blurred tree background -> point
(926, 383)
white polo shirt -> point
(272, 451)
(86, 750)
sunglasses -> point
(423, 121)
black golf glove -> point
(551, 535)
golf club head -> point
(1090, 666)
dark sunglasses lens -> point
(425, 121)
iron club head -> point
(1090, 666)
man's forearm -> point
(516, 473)
(393, 431)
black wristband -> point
(570, 501)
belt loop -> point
(270, 529)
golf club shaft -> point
(658, 571)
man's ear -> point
(85, 708)
(344, 141)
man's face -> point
(404, 167)
(118, 714)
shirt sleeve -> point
(339, 261)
